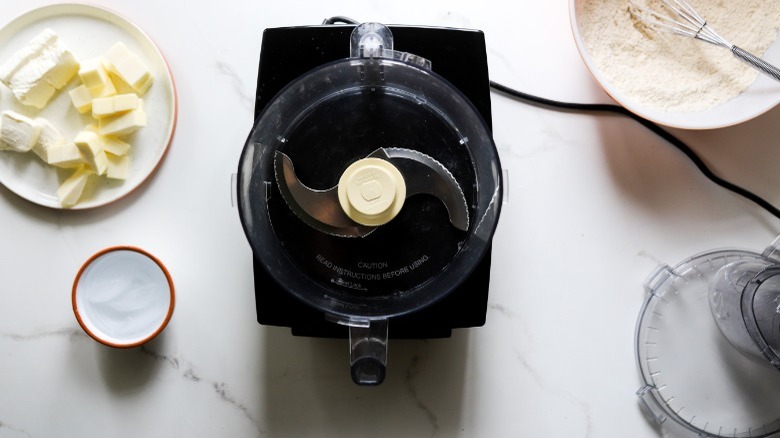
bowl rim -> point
(96, 336)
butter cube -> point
(65, 155)
(93, 74)
(18, 133)
(71, 189)
(118, 167)
(91, 149)
(111, 144)
(48, 138)
(122, 124)
(108, 89)
(38, 69)
(102, 106)
(109, 106)
(95, 77)
(115, 146)
(128, 67)
(81, 98)
(124, 102)
(65, 67)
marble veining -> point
(647, 255)
(538, 377)
(541, 382)
(180, 365)
(512, 315)
(553, 136)
(13, 430)
(505, 61)
(524, 153)
(236, 83)
(72, 334)
(409, 377)
(226, 396)
(500, 308)
(221, 389)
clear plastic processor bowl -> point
(341, 112)
(758, 98)
(326, 122)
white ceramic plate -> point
(88, 31)
(760, 97)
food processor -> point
(708, 344)
(369, 187)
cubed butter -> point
(91, 148)
(118, 167)
(71, 189)
(111, 144)
(110, 106)
(18, 133)
(115, 146)
(66, 155)
(102, 107)
(40, 68)
(92, 73)
(128, 67)
(108, 89)
(66, 66)
(48, 138)
(81, 98)
(122, 124)
(95, 77)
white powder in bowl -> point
(123, 297)
(660, 70)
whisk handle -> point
(756, 62)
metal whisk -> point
(692, 25)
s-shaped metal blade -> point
(323, 210)
(424, 174)
(320, 209)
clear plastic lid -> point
(760, 307)
(700, 366)
(745, 301)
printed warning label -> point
(372, 271)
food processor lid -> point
(327, 246)
(692, 372)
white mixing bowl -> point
(760, 97)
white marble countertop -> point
(595, 203)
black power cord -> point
(676, 142)
(617, 109)
(339, 19)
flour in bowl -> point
(661, 70)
